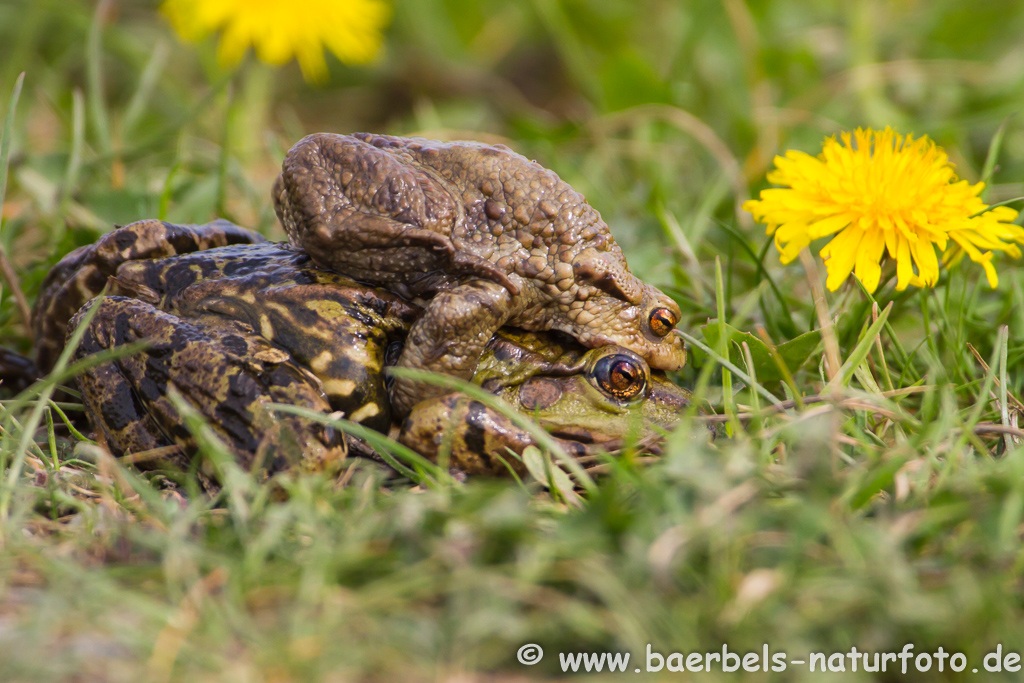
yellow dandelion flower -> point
(883, 193)
(281, 30)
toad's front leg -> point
(450, 337)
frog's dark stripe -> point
(124, 412)
(234, 415)
(179, 277)
(152, 385)
(477, 421)
(575, 448)
(121, 406)
(251, 263)
(125, 240)
(122, 327)
(235, 344)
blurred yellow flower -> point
(282, 29)
(882, 193)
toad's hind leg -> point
(83, 273)
(450, 337)
(224, 371)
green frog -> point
(490, 237)
(232, 324)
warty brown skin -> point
(494, 238)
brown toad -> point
(493, 237)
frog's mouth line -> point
(648, 445)
(584, 439)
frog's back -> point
(338, 329)
(82, 274)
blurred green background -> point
(666, 115)
(813, 530)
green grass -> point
(880, 509)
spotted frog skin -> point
(493, 238)
(231, 329)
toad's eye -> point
(662, 321)
(620, 376)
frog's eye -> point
(662, 321)
(620, 376)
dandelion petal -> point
(884, 196)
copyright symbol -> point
(530, 654)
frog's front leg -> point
(225, 371)
(450, 337)
(476, 438)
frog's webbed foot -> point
(475, 438)
(84, 273)
(226, 372)
(449, 337)
(369, 213)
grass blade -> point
(8, 135)
(994, 147)
(861, 351)
(388, 449)
(725, 362)
(147, 84)
(496, 403)
(6, 271)
(74, 164)
(47, 386)
(94, 77)
(724, 339)
(1004, 408)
